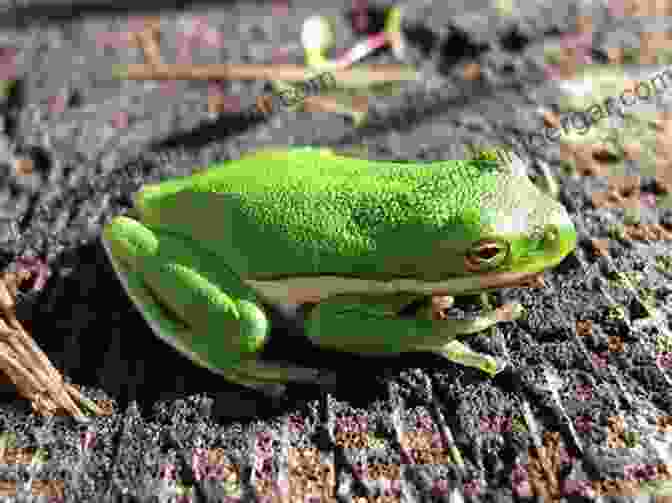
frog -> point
(356, 241)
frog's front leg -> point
(369, 325)
(193, 301)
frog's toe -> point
(458, 353)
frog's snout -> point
(560, 235)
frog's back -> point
(307, 212)
(319, 175)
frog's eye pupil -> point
(486, 253)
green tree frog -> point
(356, 240)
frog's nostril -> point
(561, 235)
(551, 234)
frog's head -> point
(497, 230)
(514, 234)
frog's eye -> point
(486, 254)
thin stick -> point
(16, 370)
(55, 380)
(358, 77)
(148, 40)
(42, 376)
(29, 368)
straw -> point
(29, 368)
(361, 77)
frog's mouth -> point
(301, 290)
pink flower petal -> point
(56, 104)
(282, 486)
(120, 120)
(168, 88)
(7, 63)
(486, 425)
(583, 423)
(664, 360)
(38, 268)
(199, 24)
(7, 54)
(213, 38)
(362, 49)
(360, 470)
(600, 361)
(118, 40)
(648, 200)
(183, 56)
(360, 21)
(617, 8)
(216, 472)
(406, 458)
(342, 53)
(280, 8)
(199, 461)
(472, 488)
(577, 41)
(184, 44)
(232, 104)
(215, 88)
(167, 471)
(280, 56)
(423, 422)
(523, 489)
(136, 23)
(552, 72)
(565, 457)
(584, 392)
(441, 488)
(377, 40)
(87, 440)
(519, 473)
(7, 73)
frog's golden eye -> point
(485, 254)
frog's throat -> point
(300, 290)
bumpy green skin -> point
(318, 214)
(192, 265)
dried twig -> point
(148, 40)
(364, 76)
(28, 367)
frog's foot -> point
(366, 326)
(455, 350)
(435, 309)
(507, 312)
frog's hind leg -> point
(366, 326)
(196, 304)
